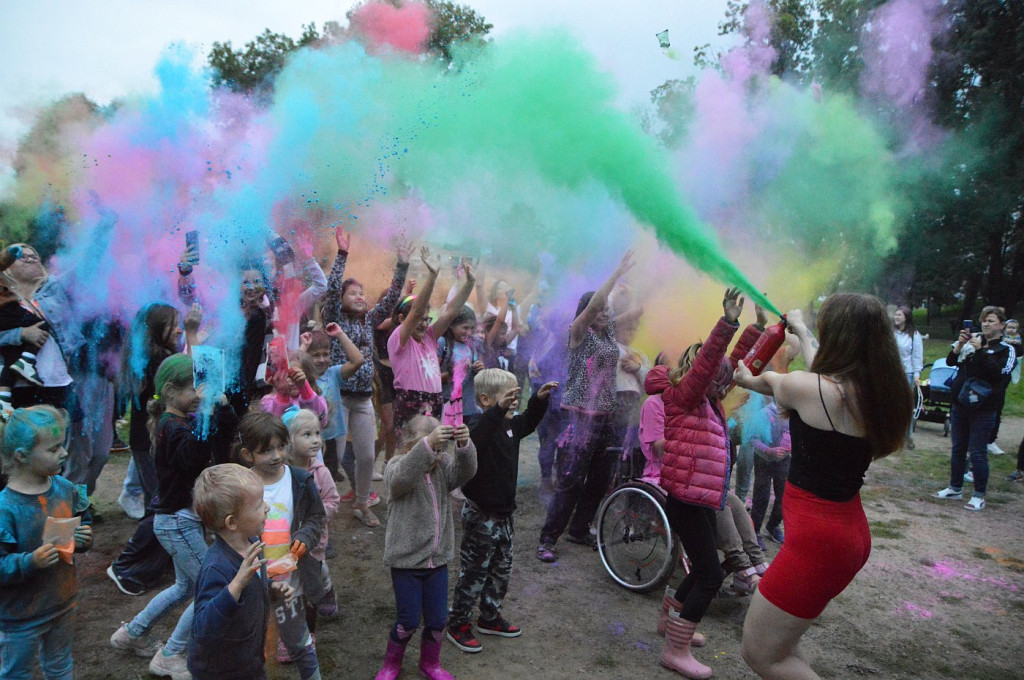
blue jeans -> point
(181, 535)
(744, 470)
(969, 432)
(51, 638)
(420, 593)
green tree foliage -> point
(253, 68)
(454, 24)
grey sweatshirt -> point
(421, 532)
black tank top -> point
(827, 463)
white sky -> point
(108, 48)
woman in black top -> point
(985, 364)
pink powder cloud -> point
(406, 28)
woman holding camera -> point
(985, 363)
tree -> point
(454, 24)
(254, 68)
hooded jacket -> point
(695, 468)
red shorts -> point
(826, 544)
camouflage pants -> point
(486, 555)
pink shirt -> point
(652, 428)
(331, 499)
(415, 366)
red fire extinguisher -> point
(766, 347)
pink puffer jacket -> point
(696, 464)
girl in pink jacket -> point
(695, 474)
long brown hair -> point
(858, 346)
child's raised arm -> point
(598, 302)
(354, 358)
(499, 319)
(445, 318)
(422, 302)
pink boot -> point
(670, 603)
(430, 656)
(393, 656)
(676, 654)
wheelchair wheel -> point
(636, 544)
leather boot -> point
(670, 603)
(676, 653)
(393, 656)
(430, 656)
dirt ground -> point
(941, 597)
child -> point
(294, 525)
(329, 380)
(230, 624)
(291, 388)
(413, 347)
(487, 531)
(771, 469)
(20, 358)
(420, 537)
(37, 580)
(304, 429)
(459, 346)
(181, 454)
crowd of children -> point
(256, 468)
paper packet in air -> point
(61, 533)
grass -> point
(891, 528)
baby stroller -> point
(936, 397)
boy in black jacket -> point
(487, 531)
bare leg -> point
(387, 429)
(771, 640)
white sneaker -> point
(969, 477)
(174, 666)
(976, 503)
(950, 494)
(994, 449)
(134, 505)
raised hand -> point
(509, 398)
(461, 435)
(344, 238)
(546, 389)
(332, 329)
(251, 563)
(467, 267)
(625, 264)
(404, 250)
(425, 257)
(760, 315)
(732, 304)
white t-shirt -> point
(277, 530)
(50, 365)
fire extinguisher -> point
(766, 347)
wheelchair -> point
(637, 546)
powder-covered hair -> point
(23, 428)
(256, 431)
(221, 490)
(175, 372)
(493, 382)
(415, 430)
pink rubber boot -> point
(393, 656)
(430, 656)
(670, 603)
(676, 654)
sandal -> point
(366, 517)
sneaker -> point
(994, 449)
(26, 370)
(587, 539)
(760, 542)
(374, 499)
(327, 610)
(330, 552)
(377, 477)
(546, 552)
(775, 534)
(139, 646)
(350, 497)
(499, 626)
(6, 408)
(462, 637)
(174, 666)
(1015, 476)
(134, 505)
(121, 585)
(951, 494)
(909, 445)
(283, 656)
(744, 582)
(118, 446)
(969, 477)
(976, 503)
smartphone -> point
(283, 252)
(968, 325)
(192, 242)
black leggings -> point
(696, 529)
